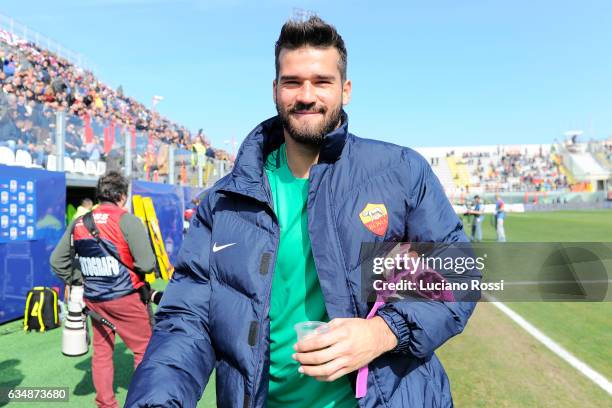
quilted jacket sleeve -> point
(179, 358)
(423, 326)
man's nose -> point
(306, 94)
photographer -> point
(112, 270)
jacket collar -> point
(247, 177)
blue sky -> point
(425, 73)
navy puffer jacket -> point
(214, 314)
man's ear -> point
(347, 87)
(274, 91)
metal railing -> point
(22, 32)
(88, 147)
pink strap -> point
(414, 275)
(362, 374)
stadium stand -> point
(444, 173)
(38, 88)
(458, 171)
(587, 163)
(526, 168)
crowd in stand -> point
(513, 171)
(525, 172)
(475, 155)
(36, 84)
(508, 170)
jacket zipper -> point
(259, 376)
(361, 401)
(338, 248)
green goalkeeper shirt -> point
(296, 297)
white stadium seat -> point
(90, 168)
(101, 168)
(6, 156)
(23, 158)
(79, 166)
(68, 164)
(52, 162)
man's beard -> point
(310, 135)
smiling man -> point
(277, 242)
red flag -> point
(107, 141)
(112, 133)
(88, 129)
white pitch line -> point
(559, 282)
(556, 348)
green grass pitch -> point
(494, 363)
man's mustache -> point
(311, 107)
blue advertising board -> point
(168, 201)
(34, 204)
(17, 207)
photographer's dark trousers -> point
(130, 317)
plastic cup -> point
(310, 328)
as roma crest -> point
(375, 218)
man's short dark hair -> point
(112, 187)
(313, 32)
